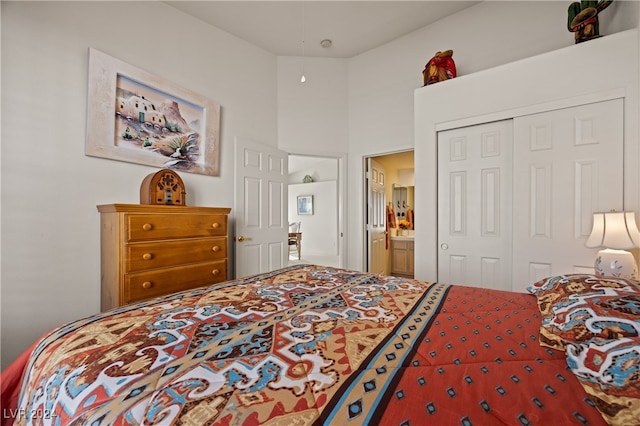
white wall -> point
(319, 168)
(380, 84)
(312, 117)
(50, 189)
(382, 81)
(320, 230)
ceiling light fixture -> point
(326, 43)
(303, 78)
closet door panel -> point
(568, 163)
(474, 205)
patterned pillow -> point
(577, 308)
(609, 371)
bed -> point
(312, 345)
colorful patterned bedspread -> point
(307, 345)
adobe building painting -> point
(163, 125)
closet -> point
(574, 149)
(516, 196)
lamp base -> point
(616, 263)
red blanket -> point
(308, 345)
(10, 384)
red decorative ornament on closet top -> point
(440, 67)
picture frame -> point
(305, 204)
(137, 117)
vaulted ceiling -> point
(280, 27)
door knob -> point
(240, 238)
(444, 246)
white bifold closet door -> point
(474, 205)
(570, 165)
(516, 197)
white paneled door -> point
(376, 218)
(516, 197)
(261, 226)
(474, 205)
(569, 164)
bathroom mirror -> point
(403, 200)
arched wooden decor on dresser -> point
(164, 187)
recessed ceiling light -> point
(326, 43)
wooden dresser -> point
(153, 250)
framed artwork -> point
(305, 204)
(138, 117)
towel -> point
(410, 218)
(391, 223)
(391, 217)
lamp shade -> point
(614, 230)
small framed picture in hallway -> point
(305, 204)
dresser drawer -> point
(145, 256)
(146, 227)
(144, 285)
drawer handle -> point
(215, 225)
(147, 226)
(147, 284)
(147, 256)
(215, 272)
(215, 248)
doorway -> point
(399, 219)
(316, 184)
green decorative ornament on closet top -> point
(307, 179)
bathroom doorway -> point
(399, 217)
